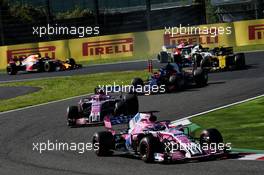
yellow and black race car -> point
(222, 58)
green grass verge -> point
(64, 87)
(242, 125)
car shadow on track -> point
(226, 157)
(216, 82)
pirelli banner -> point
(141, 44)
(249, 32)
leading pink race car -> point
(158, 141)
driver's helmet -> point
(158, 127)
(156, 75)
(101, 92)
(152, 118)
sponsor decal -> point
(47, 51)
(256, 32)
(190, 38)
(108, 47)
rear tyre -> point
(240, 61)
(49, 66)
(72, 115)
(131, 103)
(175, 83)
(120, 108)
(72, 62)
(147, 148)
(200, 77)
(102, 143)
(197, 58)
(11, 69)
(136, 83)
(205, 63)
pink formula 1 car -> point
(158, 141)
(92, 110)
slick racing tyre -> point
(49, 66)
(176, 82)
(240, 62)
(205, 63)
(11, 69)
(197, 58)
(72, 114)
(147, 148)
(71, 61)
(102, 143)
(107, 108)
(163, 57)
(200, 77)
(211, 135)
(131, 102)
(136, 83)
(127, 106)
(120, 108)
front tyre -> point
(102, 143)
(176, 82)
(147, 148)
(11, 69)
(131, 103)
(72, 114)
(211, 135)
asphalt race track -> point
(19, 129)
(7, 92)
(137, 65)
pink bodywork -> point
(141, 122)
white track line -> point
(42, 104)
(221, 107)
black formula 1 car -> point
(172, 77)
(36, 63)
